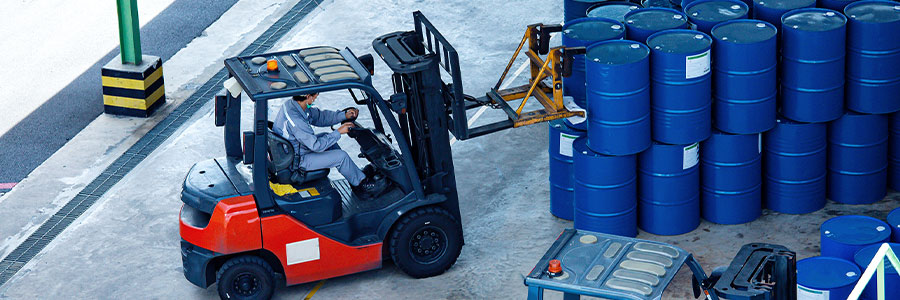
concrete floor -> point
(126, 245)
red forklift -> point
(241, 233)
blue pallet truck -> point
(585, 263)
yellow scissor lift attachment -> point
(544, 85)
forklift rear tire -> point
(246, 277)
(426, 242)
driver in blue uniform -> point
(321, 151)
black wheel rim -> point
(427, 244)
(246, 284)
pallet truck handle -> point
(543, 36)
(568, 56)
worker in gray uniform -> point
(321, 151)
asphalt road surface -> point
(48, 128)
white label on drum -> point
(805, 293)
(565, 143)
(691, 156)
(696, 65)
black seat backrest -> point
(281, 166)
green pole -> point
(129, 31)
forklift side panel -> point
(233, 227)
(308, 256)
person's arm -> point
(323, 118)
(304, 134)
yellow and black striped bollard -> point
(133, 90)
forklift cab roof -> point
(299, 72)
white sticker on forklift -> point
(690, 156)
(696, 65)
(565, 143)
(302, 251)
(805, 293)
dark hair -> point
(303, 97)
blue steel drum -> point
(575, 9)
(812, 70)
(581, 33)
(744, 75)
(730, 178)
(615, 10)
(873, 56)
(891, 279)
(772, 10)
(605, 191)
(643, 23)
(893, 219)
(894, 153)
(561, 171)
(669, 189)
(818, 276)
(843, 236)
(707, 13)
(618, 93)
(681, 98)
(857, 158)
(795, 158)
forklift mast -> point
(422, 101)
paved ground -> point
(126, 245)
(32, 137)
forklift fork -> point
(556, 64)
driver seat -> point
(282, 163)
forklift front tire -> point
(426, 242)
(246, 277)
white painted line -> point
(505, 85)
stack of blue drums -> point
(705, 14)
(730, 182)
(744, 73)
(826, 278)
(562, 181)
(772, 10)
(891, 278)
(795, 171)
(643, 23)
(790, 109)
(581, 33)
(615, 10)
(857, 158)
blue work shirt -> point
(294, 124)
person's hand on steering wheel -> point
(345, 127)
(351, 113)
